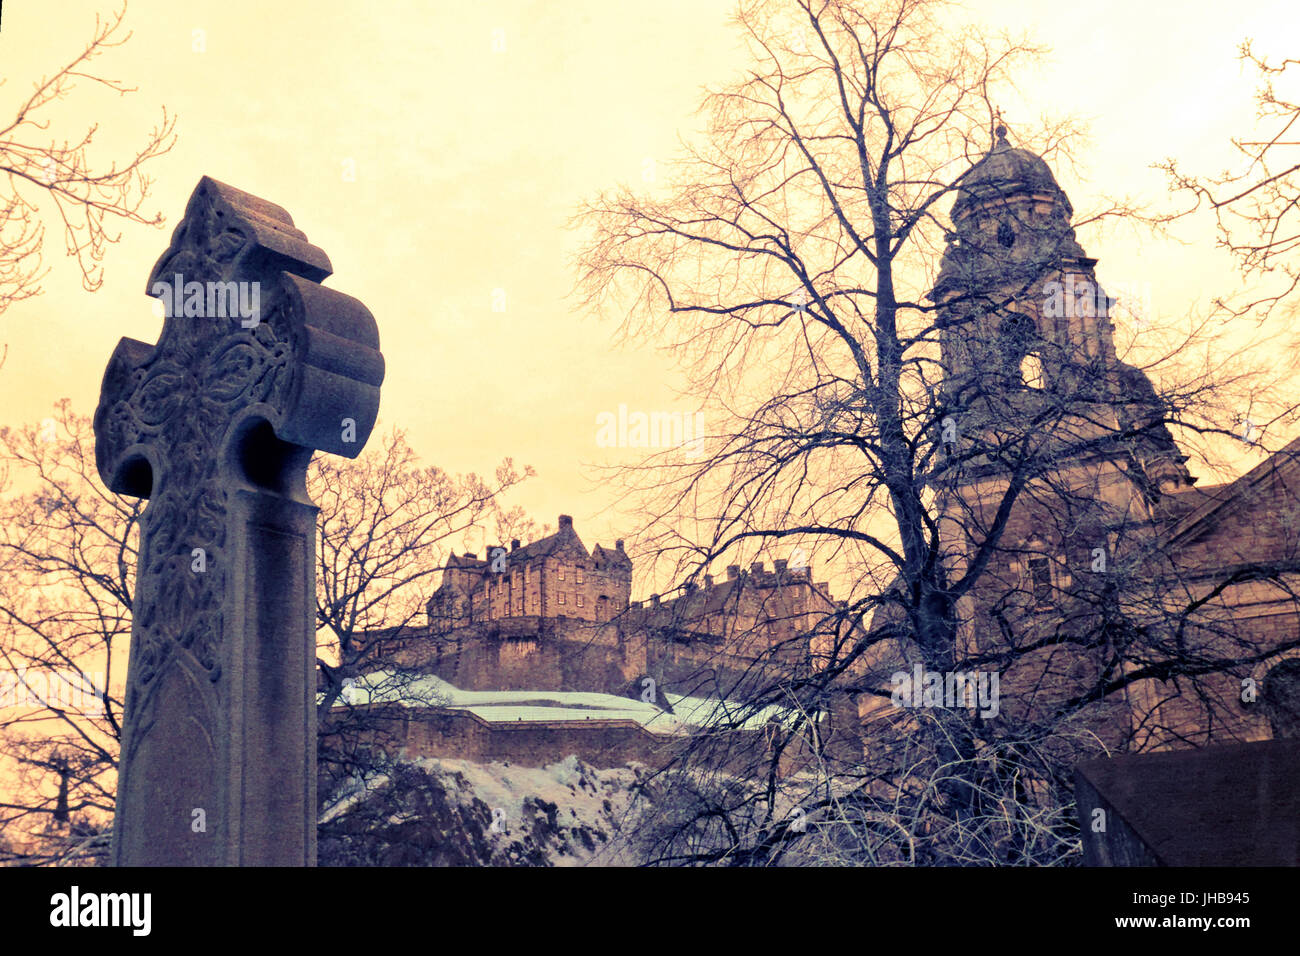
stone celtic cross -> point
(257, 367)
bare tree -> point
(1257, 205)
(64, 178)
(947, 434)
(386, 527)
(68, 552)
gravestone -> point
(1236, 805)
(256, 367)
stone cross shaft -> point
(257, 366)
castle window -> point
(1040, 578)
(578, 575)
(579, 599)
(561, 593)
(1018, 342)
(561, 572)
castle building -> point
(555, 616)
(537, 644)
(777, 616)
(553, 577)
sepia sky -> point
(434, 170)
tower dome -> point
(1011, 226)
(1005, 172)
(1024, 325)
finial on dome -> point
(999, 131)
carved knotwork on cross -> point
(257, 366)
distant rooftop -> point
(512, 706)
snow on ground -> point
(433, 811)
(580, 792)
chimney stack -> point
(514, 544)
(780, 564)
(708, 580)
(757, 567)
(733, 572)
(566, 521)
(654, 599)
(618, 545)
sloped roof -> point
(451, 582)
(690, 606)
(1176, 505)
(1199, 513)
(513, 706)
(611, 556)
(563, 539)
(1236, 805)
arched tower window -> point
(1019, 344)
(1031, 370)
(1037, 577)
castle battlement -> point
(554, 615)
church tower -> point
(1034, 397)
(1026, 333)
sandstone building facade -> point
(553, 615)
(536, 628)
(1113, 556)
(551, 578)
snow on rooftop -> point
(428, 690)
